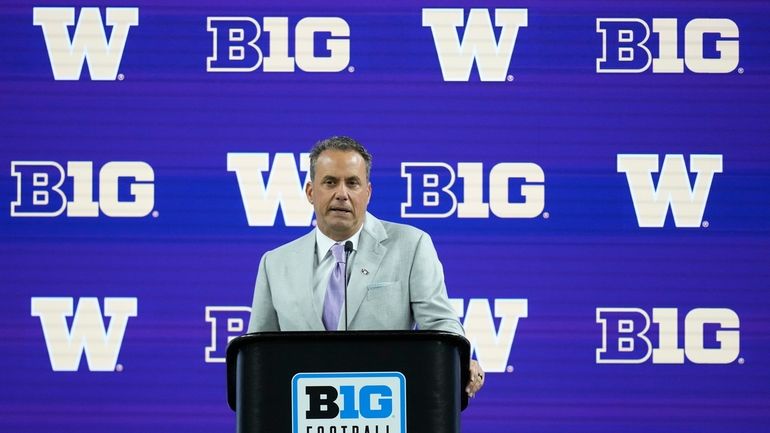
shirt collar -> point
(324, 243)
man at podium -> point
(353, 271)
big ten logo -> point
(651, 202)
(125, 189)
(479, 43)
(66, 344)
(320, 44)
(283, 188)
(89, 41)
(225, 323)
(349, 402)
(630, 336)
(710, 45)
(511, 190)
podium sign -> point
(356, 401)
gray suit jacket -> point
(404, 285)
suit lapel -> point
(301, 280)
(366, 264)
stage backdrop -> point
(595, 176)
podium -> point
(348, 382)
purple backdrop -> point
(538, 277)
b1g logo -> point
(349, 402)
(429, 191)
(226, 323)
(711, 336)
(710, 46)
(235, 46)
(126, 189)
(89, 42)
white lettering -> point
(87, 334)
(492, 57)
(284, 188)
(89, 42)
(687, 202)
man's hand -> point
(477, 379)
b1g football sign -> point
(359, 402)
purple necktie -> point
(334, 291)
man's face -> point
(339, 193)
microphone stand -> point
(348, 250)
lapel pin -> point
(364, 271)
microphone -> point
(348, 250)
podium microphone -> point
(348, 250)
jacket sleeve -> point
(263, 315)
(427, 290)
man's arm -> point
(429, 302)
(263, 315)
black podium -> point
(348, 382)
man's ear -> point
(309, 192)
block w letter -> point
(492, 346)
(87, 334)
(89, 42)
(283, 189)
(687, 202)
(492, 56)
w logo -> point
(284, 188)
(492, 56)
(491, 344)
(89, 43)
(87, 334)
(674, 190)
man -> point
(395, 277)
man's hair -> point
(341, 143)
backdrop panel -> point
(594, 174)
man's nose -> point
(341, 192)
